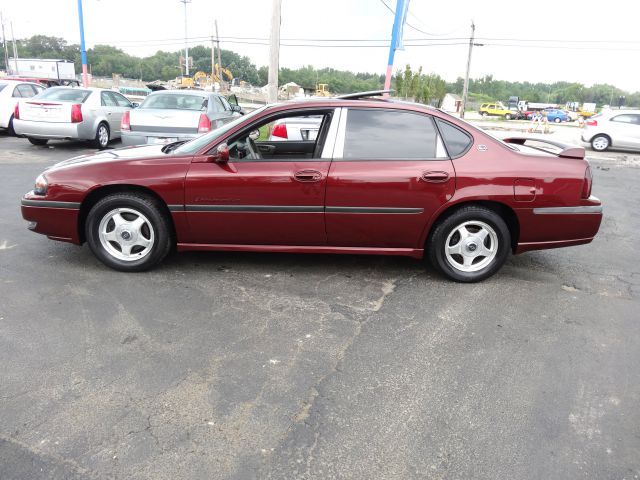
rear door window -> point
(377, 134)
(24, 91)
(108, 100)
(455, 139)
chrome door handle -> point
(308, 176)
(434, 177)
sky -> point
(522, 40)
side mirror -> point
(222, 154)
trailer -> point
(45, 68)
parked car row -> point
(100, 115)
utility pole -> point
(83, 50)
(219, 57)
(186, 43)
(15, 49)
(274, 52)
(4, 42)
(465, 91)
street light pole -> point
(186, 43)
(83, 50)
(465, 91)
(274, 52)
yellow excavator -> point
(217, 74)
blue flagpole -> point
(83, 50)
(396, 39)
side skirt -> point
(406, 252)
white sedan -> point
(11, 91)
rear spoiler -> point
(566, 150)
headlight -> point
(41, 185)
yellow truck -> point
(497, 109)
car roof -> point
(612, 112)
(323, 102)
(13, 80)
(195, 93)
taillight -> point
(587, 183)
(16, 112)
(280, 130)
(592, 123)
(76, 113)
(125, 123)
(204, 124)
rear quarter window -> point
(456, 140)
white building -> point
(452, 103)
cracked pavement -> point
(242, 366)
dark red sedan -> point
(373, 177)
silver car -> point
(71, 113)
(167, 116)
(613, 129)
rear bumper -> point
(130, 139)
(52, 131)
(554, 227)
(56, 220)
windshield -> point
(198, 143)
(64, 94)
(172, 101)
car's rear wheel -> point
(101, 139)
(469, 245)
(10, 130)
(37, 141)
(600, 143)
(128, 232)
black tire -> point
(10, 130)
(101, 141)
(130, 206)
(38, 141)
(600, 143)
(467, 217)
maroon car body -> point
(320, 198)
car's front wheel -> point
(600, 143)
(128, 232)
(469, 245)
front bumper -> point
(130, 139)
(51, 130)
(56, 220)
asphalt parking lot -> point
(225, 365)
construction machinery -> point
(217, 74)
(322, 90)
